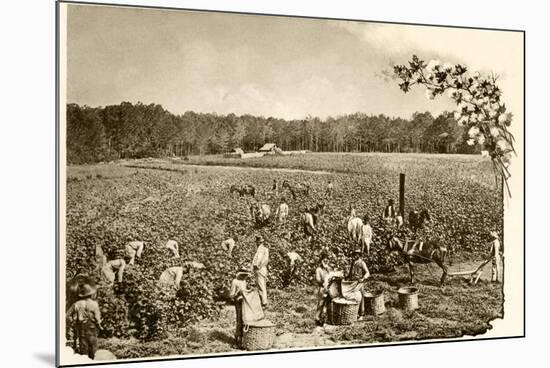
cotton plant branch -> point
(479, 105)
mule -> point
(425, 253)
(243, 190)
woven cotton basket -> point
(259, 335)
(343, 312)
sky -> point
(265, 65)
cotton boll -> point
(495, 132)
(470, 142)
(474, 131)
(502, 144)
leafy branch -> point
(479, 105)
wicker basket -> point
(374, 303)
(259, 335)
(408, 298)
(343, 311)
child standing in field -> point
(85, 318)
(238, 286)
(496, 255)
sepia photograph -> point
(235, 183)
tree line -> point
(129, 130)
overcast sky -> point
(263, 65)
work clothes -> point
(109, 269)
(236, 294)
(259, 264)
(321, 274)
(282, 212)
(389, 213)
(85, 318)
(228, 245)
(496, 269)
(172, 276)
(172, 245)
(133, 250)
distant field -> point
(472, 167)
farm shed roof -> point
(237, 150)
(268, 147)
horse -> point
(300, 188)
(354, 224)
(260, 213)
(243, 190)
(311, 219)
(417, 220)
(425, 253)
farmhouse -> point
(268, 148)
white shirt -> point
(282, 211)
(293, 256)
(367, 231)
(228, 245)
(261, 258)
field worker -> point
(321, 273)
(171, 277)
(172, 245)
(496, 254)
(85, 316)
(309, 226)
(275, 187)
(389, 212)
(238, 286)
(259, 265)
(282, 211)
(366, 235)
(330, 189)
(228, 245)
(359, 272)
(133, 250)
(294, 260)
(399, 220)
(109, 269)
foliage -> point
(138, 131)
(194, 208)
(114, 314)
(479, 105)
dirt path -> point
(229, 167)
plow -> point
(474, 274)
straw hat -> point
(494, 234)
(357, 251)
(86, 290)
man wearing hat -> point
(496, 254)
(359, 272)
(259, 265)
(84, 314)
(238, 286)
